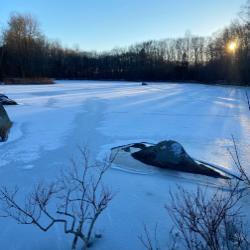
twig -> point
(248, 101)
(80, 197)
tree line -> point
(224, 57)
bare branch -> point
(78, 193)
(236, 158)
(203, 218)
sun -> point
(232, 46)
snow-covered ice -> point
(53, 120)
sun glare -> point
(232, 46)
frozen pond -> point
(52, 120)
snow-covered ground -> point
(52, 121)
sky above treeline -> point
(104, 24)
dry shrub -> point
(75, 200)
(30, 80)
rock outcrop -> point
(5, 124)
(171, 155)
(5, 100)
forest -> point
(224, 57)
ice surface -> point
(52, 120)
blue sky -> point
(105, 24)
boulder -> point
(5, 124)
(5, 100)
(171, 155)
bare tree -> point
(23, 43)
(208, 223)
(76, 200)
(1, 53)
(245, 13)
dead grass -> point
(28, 81)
